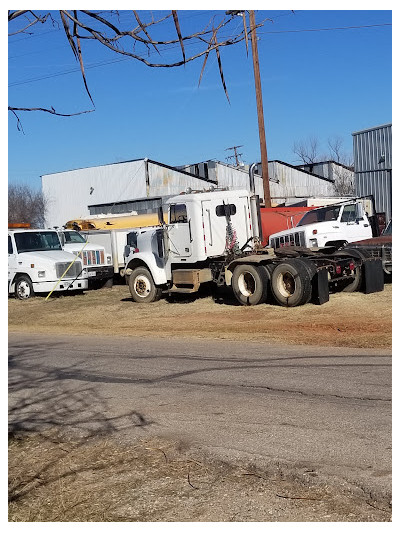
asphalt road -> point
(322, 411)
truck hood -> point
(374, 241)
(55, 256)
(77, 247)
(322, 227)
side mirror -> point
(127, 250)
(360, 211)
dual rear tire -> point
(289, 282)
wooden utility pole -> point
(260, 112)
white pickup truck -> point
(38, 264)
(96, 262)
(333, 225)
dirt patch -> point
(58, 480)
(348, 319)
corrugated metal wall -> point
(373, 165)
(71, 193)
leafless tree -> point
(26, 205)
(106, 30)
(307, 151)
(343, 171)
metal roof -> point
(372, 129)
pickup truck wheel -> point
(250, 284)
(142, 286)
(24, 288)
(291, 283)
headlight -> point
(313, 242)
(109, 260)
(41, 274)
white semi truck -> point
(38, 264)
(216, 237)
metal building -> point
(373, 165)
(141, 185)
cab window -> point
(349, 213)
(177, 213)
(10, 247)
(225, 210)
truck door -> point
(12, 261)
(215, 221)
(179, 232)
(354, 223)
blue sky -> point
(323, 84)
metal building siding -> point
(290, 183)
(372, 174)
(369, 145)
(165, 181)
(69, 193)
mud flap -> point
(320, 287)
(373, 276)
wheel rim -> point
(286, 284)
(142, 286)
(247, 284)
(23, 290)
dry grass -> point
(53, 479)
(352, 320)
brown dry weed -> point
(348, 319)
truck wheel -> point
(24, 288)
(142, 286)
(291, 283)
(250, 284)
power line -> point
(105, 63)
(327, 29)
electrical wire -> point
(105, 63)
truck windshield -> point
(32, 241)
(73, 236)
(388, 229)
(320, 215)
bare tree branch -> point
(52, 111)
(82, 25)
(307, 150)
(178, 31)
(26, 205)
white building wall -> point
(165, 181)
(69, 193)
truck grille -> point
(387, 254)
(291, 239)
(73, 272)
(95, 257)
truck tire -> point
(357, 282)
(291, 283)
(355, 285)
(250, 284)
(142, 286)
(24, 288)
